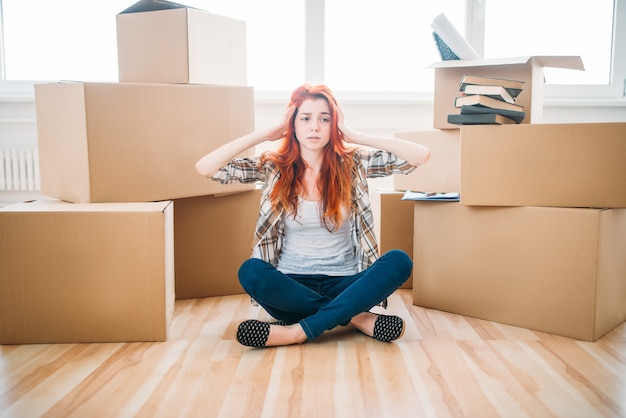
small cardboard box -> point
(213, 236)
(556, 270)
(165, 42)
(566, 165)
(448, 75)
(393, 223)
(442, 172)
(134, 142)
(79, 273)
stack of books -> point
(488, 101)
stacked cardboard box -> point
(96, 261)
(393, 223)
(538, 238)
(86, 272)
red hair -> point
(335, 179)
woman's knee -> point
(249, 272)
(401, 261)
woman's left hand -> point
(348, 134)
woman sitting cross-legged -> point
(315, 262)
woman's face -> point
(312, 124)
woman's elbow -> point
(426, 156)
(422, 157)
(204, 169)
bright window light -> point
(384, 46)
(369, 45)
(555, 27)
(76, 39)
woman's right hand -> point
(280, 129)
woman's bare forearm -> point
(413, 153)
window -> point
(559, 27)
(384, 46)
(365, 45)
(76, 39)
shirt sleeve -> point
(241, 170)
(381, 163)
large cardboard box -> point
(448, 75)
(165, 42)
(213, 236)
(568, 165)
(393, 223)
(128, 142)
(442, 172)
(556, 270)
(79, 273)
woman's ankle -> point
(364, 322)
(285, 335)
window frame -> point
(474, 23)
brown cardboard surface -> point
(125, 142)
(393, 223)
(183, 45)
(565, 165)
(442, 172)
(448, 75)
(556, 270)
(73, 273)
(213, 236)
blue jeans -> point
(319, 302)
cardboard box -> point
(129, 142)
(80, 273)
(556, 270)
(393, 223)
(213, 237)
(448, 75)
(442, 172)
(180, 44)
(568, 165)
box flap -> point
(153, 5)
(50, 205)
(567, 61)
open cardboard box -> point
(166, 42)
(448, 75)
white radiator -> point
(19, 169)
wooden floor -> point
(445, 366)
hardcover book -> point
(517, 116)
(478, 99)
(432, 196)
(452, 38)
(444, 50)
(497, 92)
(480, 119)
(514, 87)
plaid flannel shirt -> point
(267, 242)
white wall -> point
(18, 127)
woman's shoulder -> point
(267, 160)
(366, 156)
(361, 154)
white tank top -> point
(309, 248)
